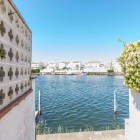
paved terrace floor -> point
(97, 135)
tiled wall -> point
(15, 68)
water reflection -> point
(80, 102)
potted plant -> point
(130, 63)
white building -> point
(114, 66)
(50, 68)
(103, 69)
(17, 98)
(42, 65)
(52, 65)
(117, 67)
(94, 66)
(76, 65)
(62, 65)
(35, 65)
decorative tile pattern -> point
(25, 58)
(21, 87)
(2, 7)
(2, 97)
(10, 93)
(22, 44)
(2, 28)
(17, 89)
(22, 59)
(10, 73)
(17, 56)
(15, 42)
(2, 74)
(10, 54)
(21, 72)
(28, 71)
(10, 14)
(17, 73)
(17, 23)
(28, 83)
(25, 84)
(10, 34)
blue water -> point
(82, 101)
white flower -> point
(130, 63)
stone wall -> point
(132, 125)
(17, 101)
(15, 43)
(19, 123)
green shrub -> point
(110, 71)
(35, 70)
(90, 73)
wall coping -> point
(33, 77)
(9, 107)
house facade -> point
(75, 65)
(61, 65)
(52, 65)
(94, 66)
(35, 65)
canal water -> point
(80, 102)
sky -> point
(80, 30)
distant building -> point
(35, 65)
(94, 66)
(50, 68)
(76, 65)
(102, 68)
(117, 68)
(52, 65)
(61, 65)
(42, 65)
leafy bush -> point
(90, 73)
(110, 71)
(35, 70)
(65, 68)
(130, 63)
